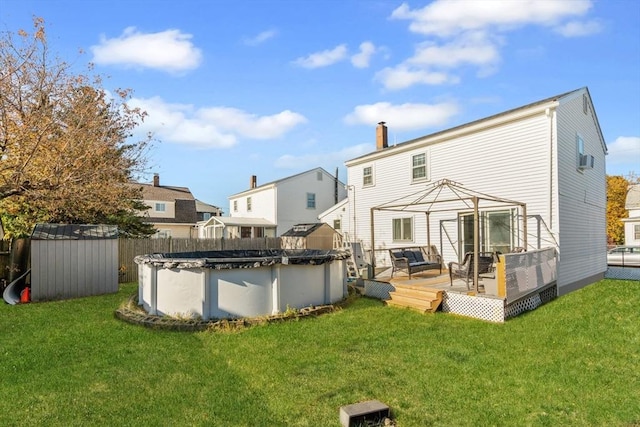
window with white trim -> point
(248, 204)
(311, 200)
(337, 224)
(419, 167)
(636, 232)
(579, 149)
(235, 206)
(402, 229)
(319, 175)
(367, 176)
(161, 207)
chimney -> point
(253, 183)
(156, 180)
(381, 136)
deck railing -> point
(523, 273)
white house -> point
(226, 227)
(283, 203)
(548, 155)
(632, 223)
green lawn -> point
(574, 361)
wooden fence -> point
(4, 263)
(128, 249)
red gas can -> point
(25, 295)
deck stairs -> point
(356, 262)
(418, 298)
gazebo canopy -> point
(446, 196)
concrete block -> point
(360, 413)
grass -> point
(574, 361)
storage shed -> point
(73, 260)
(311, 236)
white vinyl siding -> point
(582, 196)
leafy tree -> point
(65, 150)
(617, 188)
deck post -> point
(428, 232)
(373, 245)
(524, 225)
(476, 242)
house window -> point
(161, 207)
(367, 176)
(337, 224)
(579, 149)
(419, 167)
(235, 206)
(319, 175)
(311, 200)
(163, 234)
(248, 204)
(402, 229)
(206, 216)
(245, 232)
(636, 232)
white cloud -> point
(462, 33)
(362, 58)
(448, 18)
(326, 160)
(260, 38)
(324, 58)
(579, 29)
(471, 48)
(250, 125)
(215, 127)
(402, 77)
(168, 50)
(404, 116)
(624, 155)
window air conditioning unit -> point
(586, 161)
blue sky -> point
(276, 87)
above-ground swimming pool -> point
(239, 283)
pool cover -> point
(245, 258)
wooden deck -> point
(424, 279)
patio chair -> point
(464, 270)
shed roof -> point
(303, 230)
(74, 232)
(239, 221)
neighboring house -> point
(226, 227)
(632, 223)
(549, 155)
(288, 201)
(205, 211)
(172, 210)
